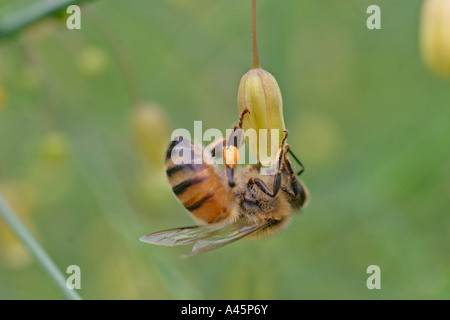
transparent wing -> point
(177, 236)
(204, 238)
(222, 237)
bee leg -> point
(281, 159)
(237, 137)
(216, 148)
(241, 117)
(276, 178)
(264, 188)
(288, 164)
(295, 190)
(217, 151)
(230, 175)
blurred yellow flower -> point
(435, 35)
(21, 197)
(2, 97)
(91, 61)
(55, 146)
(150, 129)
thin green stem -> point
(35, 248)
(255, 57)
(13, 23)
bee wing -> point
(177, 236)
(222, 237)
(204, 238)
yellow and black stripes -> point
(184, 167)
(180, 188)
(198, 204)
(198, 186)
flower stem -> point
(35, 248)
(255, 57)
(13, 23)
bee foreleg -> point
(288, 164)
(237, 137)
(241, 117)
(276, 178)
(264, 188)
(294, 191)
(294, 185)
(230, 175)
(216, 148)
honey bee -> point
(228, 205)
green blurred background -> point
(365, 116)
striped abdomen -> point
(197, 185)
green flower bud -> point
(435, 35)
(260, 94)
